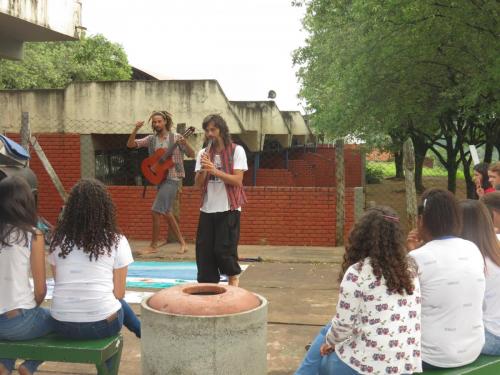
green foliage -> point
(56, 64)
(374, 172)
(377, 171)
(372, 66)
(399, 68)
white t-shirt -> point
(216, 197)
(83, 289)
(15, 269)
(452, 282)
(491, 305)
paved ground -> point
(299, 283)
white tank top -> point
(15, 268)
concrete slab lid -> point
(203, 300)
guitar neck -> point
(169, 153)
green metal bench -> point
(57, 349)
(484, 365)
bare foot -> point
(3, 370)
(23, 370)
(183, 249)
(151, 249)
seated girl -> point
(483, 185)
(451, 274)
(21, 253)
(492, 203)
(89, 258)
(376, 328)
(478, 228)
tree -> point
(428, 70)
(56, 64)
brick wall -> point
(308, 168)
(273, 215)
(63, 152)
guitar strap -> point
(151, 151)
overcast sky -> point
(245, 44)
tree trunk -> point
(452, 176)
(340, 189)
(420, 146)
(488, 152)
(411, 195)
(398, 161)
(469, 182)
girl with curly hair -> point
(21, 253)
(451, 274)
(89, 258)
(376, 328)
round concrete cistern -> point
(204, 329)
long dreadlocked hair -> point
(88, 221)
(378, 235)
(167, 116)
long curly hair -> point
(17, 211)
(88, 221)
(378, 235)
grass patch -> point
(376, 170)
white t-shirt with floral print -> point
(375, 331)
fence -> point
(384, 186)
(292, 192)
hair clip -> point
(425, 202)
(391, 218)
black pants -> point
(217, 245)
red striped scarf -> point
(235, 194)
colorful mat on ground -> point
(154, 275)
(163, 274)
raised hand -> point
(413, 241)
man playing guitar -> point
(161, 122)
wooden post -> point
(176, 207)
(340, 189)
(25, 131)
(411, 194)
(48, 167)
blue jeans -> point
(332, 365)
(491, 344)
(90, 330)
(312, 361)
(102, 328)
(28, 325)
(130, 319)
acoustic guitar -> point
(155, 167)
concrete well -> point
(194, 344)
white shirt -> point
(491, 304)
(216, 197)
(15, 268)
(83, 289)
(451, 273)
(376, 331)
